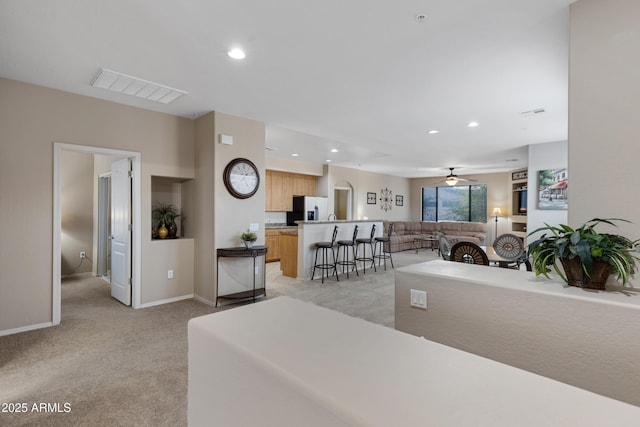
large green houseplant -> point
(587, 256)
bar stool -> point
(384, 243)
(325, 265)
(345, 245)
(364, 258)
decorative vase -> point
(248, 244)
(163, 232)
(173, 230)
(599, 274)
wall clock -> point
(386, 199)
(241, 177)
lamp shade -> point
(496, 212)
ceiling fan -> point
(452, 179)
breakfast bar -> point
(311, 232)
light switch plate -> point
(418, 299)
(254, 227)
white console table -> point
(283, 362)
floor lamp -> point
(496, 213)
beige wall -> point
(604, 101)
(363, 182)
(223, 217)
(32, 118)
(294, 166)
(76, 208)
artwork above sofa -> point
(404, 232)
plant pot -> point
(173, 230)
(248, 244)
(162, 232)
(575, 276)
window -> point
(458, 203)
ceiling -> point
(365, 77)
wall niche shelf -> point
(178, 192)
(519, 193)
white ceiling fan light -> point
(452, 179)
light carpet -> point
(110, 365)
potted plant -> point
(587, 256)
(164, 219)
(248, 237)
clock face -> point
(241, 178)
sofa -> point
(404, 232)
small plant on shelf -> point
(248, 237)
(164, 220)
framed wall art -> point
(371, 198)
(552, 189)
(399, 200)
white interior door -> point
(121, 231)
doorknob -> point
(112, 237)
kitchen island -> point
(311, 232)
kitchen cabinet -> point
(282, 186)
(272, 241)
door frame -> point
(104, 205)
(136, 205)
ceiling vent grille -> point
(122, 83)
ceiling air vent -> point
(122, 83)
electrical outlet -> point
(169, 274)
(83, 254)
(418, 299)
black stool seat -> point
(325, 265)
(364, 258)
(345, 245)
(384, 243)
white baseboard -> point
(165, 301)
(26, 328)
(204, 300)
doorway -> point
(342, 204)
(103, 261)
(136, 235)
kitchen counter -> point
(312, 232)
(283, 225)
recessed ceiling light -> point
(328, 161)
(295, 155)
(473, 124)
(236, 53)
(334, 150)
(433, 131)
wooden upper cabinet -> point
(282, 186)
(304, 185)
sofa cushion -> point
(398, 228)
(450, 227)
(429, 227)
(475, 227)
(412, 227)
